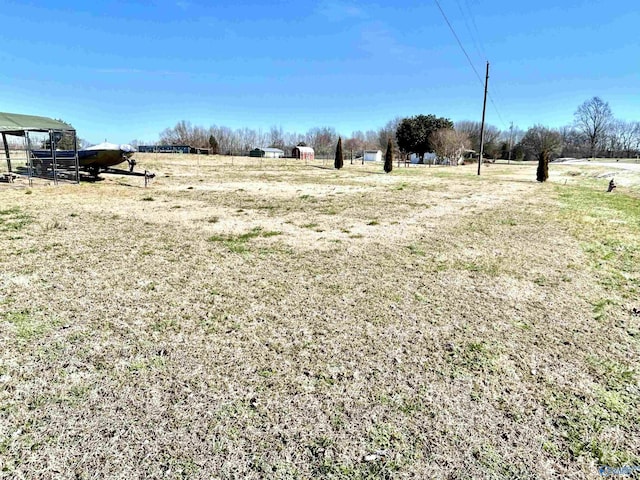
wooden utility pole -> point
(510, 142)
(484, 109)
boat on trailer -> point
(91, 159)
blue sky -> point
(123, 70)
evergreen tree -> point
(388, 157)
(414, 133)
(338, 164)
(213, 144)
(543, 166)
(542, 142)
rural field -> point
(246, 319)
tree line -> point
(594, 132)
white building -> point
(428, 158)
(267, 153)
(373, 155)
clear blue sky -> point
(123, 70)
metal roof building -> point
(303, 153)
(51, 133)
(267, 153)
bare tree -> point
(276, 137)
(622, 137)
(594, 118)
(322, 139)
(388, 132)
(371, 140)
(449, 144)
(472, 129)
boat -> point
(91, 159)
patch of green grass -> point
(148, 198)
(600, 308)
(415, 250)
(608, 224)
(373, 222)
(237, 243)
(474, 357)
(583, 423)
(141, 364)
(486, 267)
(613, 374)
(26, 326)
(13, 219)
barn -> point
(373, 155)
(303, 153)
(267, 153)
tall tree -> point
(593, 118)
(414, 133)
(339, 162)
(213, 145)
(387, 132)
(543, 143)
(492, 136)
(388, 157)
(622, 137)
(276, 137)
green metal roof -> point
(17, 123)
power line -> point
(460, 43)
(473, 37)
(473, 21)
(493, 103)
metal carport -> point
(49, 163)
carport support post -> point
(75, 156)
(52, 141)
(6, 151)
(27, 151)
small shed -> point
(303, 153)
(267, 153)
(373, 155)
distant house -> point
(303, 153)
(164, 148)
(428, 158)
(199, 151)
(267, 153)
(373, 155)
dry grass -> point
(275, 320)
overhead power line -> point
(476, 42)
(453, 31)
(460, 43)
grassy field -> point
(268, 319)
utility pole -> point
(510, 141)
(484, 109)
